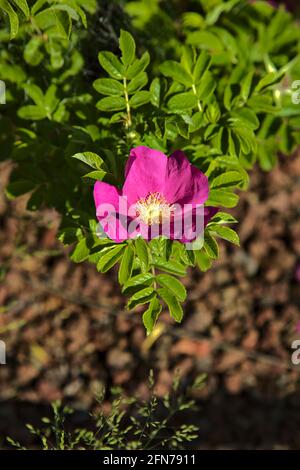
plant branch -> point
(128, 120)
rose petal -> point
(145, 173)
(105, 193)
(186, 228)
(116, 227)
(185, 184)
(109, 203)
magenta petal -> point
(105, 193)
(185, 184)
(188, 228)
(109, 202)
(188, 223)
(145, 173)
(115, 227)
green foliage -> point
(130, 71)
(131, 424)
(71, 119)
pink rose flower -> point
(157, 190)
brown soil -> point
(67, 332)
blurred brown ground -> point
(67, 333)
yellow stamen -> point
(153, 209)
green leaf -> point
(187, 58)
(32, 112)
(226, 233)
(246, 138)
(139, 99)
(127, 46)
(32, 54)
(63, 23)
(111, 64)
(17, 188)
(139, 279)
(69, 235)
(56, 57)
(182, 102)
(12, 16)
(65, 8)
(229, 179)
(205, 40)
(228, 95)
(150, 316)
(203, 260)
(50, 99)
(89, 158)
(213, 112)
(215, 12)
(172, 267)
(95, 175)
(37, 6)
(206, 87)
(175, 70)
(110, 258)
(171, 283)
(219, 197)
(244, 117)
(80, 252)
(223, 217)
(108, 86)
(126, 265)
(142, 253)
(246, 85)
(23, 6)
(262, 104)
(171, 301)
(193, 20)
(141, 297)
(155, 90)
(137, 83)
(138, 66)
(210, 245)
(197, 121)
(202, 64)
(269, 80)
(111, 103)
(35, 93)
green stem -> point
(198, 101)
(154, 274)
(128, 121)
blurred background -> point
(67, 333)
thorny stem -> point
(198, 101)
(128, 121)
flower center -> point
(153, 209)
